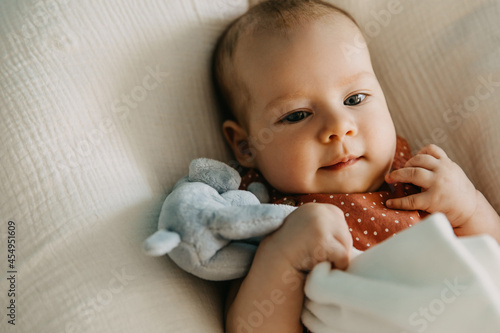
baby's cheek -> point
(287, 180)
(287, 164)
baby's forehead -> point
(263, 39)
(263, 53)
(318, 35)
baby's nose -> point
(337, 127)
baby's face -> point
(317, 121)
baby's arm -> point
(446, 189)
(270, 297)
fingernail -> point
(388, 203)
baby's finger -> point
(335, 249)
(433, 150)
(411, 202)
(413, 175)
(425, 161)
(339, 255)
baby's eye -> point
(354, 99)
(296, 117)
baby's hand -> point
(313, 233)
(445, 187)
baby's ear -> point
(238, 139)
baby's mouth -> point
(342, 163)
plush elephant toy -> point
(211, 229)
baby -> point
(311, 118)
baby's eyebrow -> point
(283, 99)
(341, 83)
(350, 79)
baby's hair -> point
(272, 16)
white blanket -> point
(425, 279)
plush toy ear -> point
(216, 174)
(161, 242)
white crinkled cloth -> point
(425, 279)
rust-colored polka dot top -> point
(369, 220)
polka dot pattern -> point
(369, 220)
